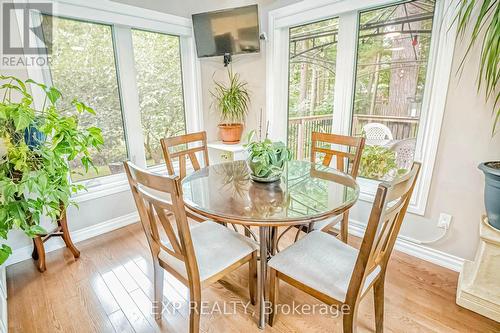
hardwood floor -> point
(110, 287)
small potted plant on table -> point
(266, 159)
(232, 102)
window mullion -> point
(191, 86)
(124, 54)
(345, 73)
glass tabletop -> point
(307, 192)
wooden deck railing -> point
(401, 127)
(300, 129)
(299, 133)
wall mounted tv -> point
(229, 31)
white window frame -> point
(122, 18)
(436, 88)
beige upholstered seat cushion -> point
(322, 262)
(216, 248)
(329, 221)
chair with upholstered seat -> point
(197, 256)
(345, 153)
(338, 274)
(183, 147)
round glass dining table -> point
(306, 193)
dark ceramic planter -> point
(33, 137)
(492, 192)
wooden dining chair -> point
(346, 157)
(179, 147)
(197, 256)
(338, 274)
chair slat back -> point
(150, 193)
(388, 211)
(182, 153)
(346, 161)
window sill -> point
(368, 189)
(101, 187)
(110, 187)
(113, 184)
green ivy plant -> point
(266, 158)
(231, 101)
(34, 173)
(377, 162)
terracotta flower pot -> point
(231, 133)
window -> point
(143, 85)
(82, 66)
(159, 82)
(312, 59)
(378, 43)
(392, 59)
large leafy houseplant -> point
(266, 158)
(36, 147)
(484, 17)
(232, 101)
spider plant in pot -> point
(266, 159)
(232, 102)
(484, 17)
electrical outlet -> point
(444, 221)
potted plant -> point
(35, 149)
(492, 191)
(232, 102)
(379, 163)
(266, 159)
(485, 19)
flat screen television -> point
(229, 31)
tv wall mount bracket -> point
(227, 59)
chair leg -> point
(344, 227)
(158, 297)
(273, 296)
(349, 320)
(378, 298)
(194, 308)
(252, 278)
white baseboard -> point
(434, 256)
(356, 228)
(24, 253)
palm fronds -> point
(484, 15)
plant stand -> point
(478, 283)
(61, 231)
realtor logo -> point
(24, 42)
